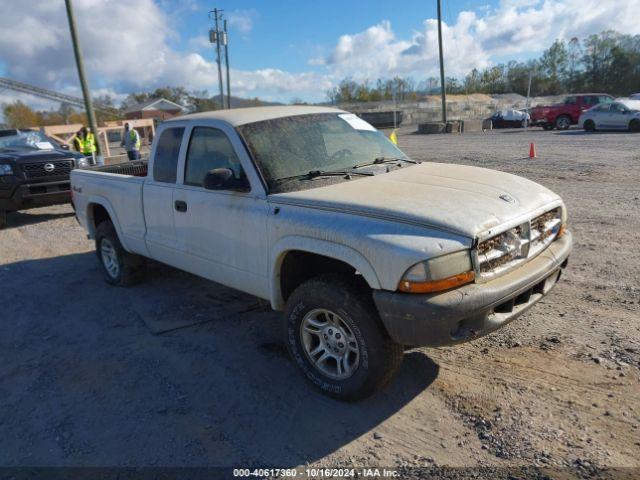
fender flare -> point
(103, 202)
(333, 250)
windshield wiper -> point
(322, 173)
(381, 160)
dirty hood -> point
(456, 198)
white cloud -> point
(126, 47)
(475, 39)
(242, 20)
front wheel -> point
(335, 336)
(563, 122)
(634, 125)
(118, 266)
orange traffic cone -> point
(532, 151)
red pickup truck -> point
(563, 115)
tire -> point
(332, 309)
(634, 125)
(590, 126)
(548, 126)
(563, 122)
(3, 219)
(118, 266)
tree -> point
(19, 115)
(554, 64)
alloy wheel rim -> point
(109, 258)
(330, 344)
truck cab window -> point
(209, 148)
(165, 163)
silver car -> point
(623, 114)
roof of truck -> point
(242, 116)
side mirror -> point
(223, 179)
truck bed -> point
(118, 189)
(136, 168)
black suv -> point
(34, 171)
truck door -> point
(222, 233)
(158, 195)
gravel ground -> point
(85, 382)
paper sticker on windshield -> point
(44, 145)
(356, 122)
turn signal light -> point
(432, 286)
(562, 231)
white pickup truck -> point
(366, 250)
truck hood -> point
(34, 156)
(456, 198)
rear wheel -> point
(634, 125)
(563, 122)
(590, 126)
(118, 266)
(335, 336)
(3, 218)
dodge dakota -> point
(366, 250)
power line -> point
(50, 94)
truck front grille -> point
(47, 169)
(507, 249)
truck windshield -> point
(328, 142)
(24, 140)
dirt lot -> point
(84, 381)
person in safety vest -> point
(85, 143)
(131, 142)
(78, 141)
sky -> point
(280, 50)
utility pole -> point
(83, 82)
(226, 62)
(526, 120)
(214, 36)
(442, 79)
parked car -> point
(623, 114)
(509, 119)
(563, 115)
(364, 249)
(635, 96)
(34, 171)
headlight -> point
(439, 274)
(6, 169)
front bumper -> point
(16, 196)
(473, 310)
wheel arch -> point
(317, 257)
(98, 210)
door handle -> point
(180, 206)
